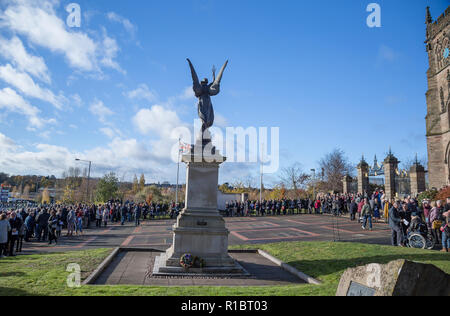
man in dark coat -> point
(42, 222)
(123, 213)
(16, 224)
(395, 222)
(353, 210)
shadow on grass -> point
(6, 291)
(316, 268)
(11, 274)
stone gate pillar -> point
(347, 182)
(390, 172)
(417, 178)
(363, 177)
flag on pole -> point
(185, 148)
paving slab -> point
(132, 268)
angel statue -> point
(203, 91)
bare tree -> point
(294, 177)
(408, 163)
(335, 166)
(249, 182)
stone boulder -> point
(397, 278)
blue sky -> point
(113, 90)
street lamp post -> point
(89, 178)
(314, 183)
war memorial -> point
(347, 228)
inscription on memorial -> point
(357, 289)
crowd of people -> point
(29, 222)
(334, 204)
(404, 216)
(45, 223)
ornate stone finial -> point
(391, 159)
(363, 163)
(429, 19)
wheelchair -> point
(421, 238)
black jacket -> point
(42, 219)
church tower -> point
(438, 98)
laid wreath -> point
(188, 261)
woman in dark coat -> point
(53, 222)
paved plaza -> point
(157, 234)
(133, 268)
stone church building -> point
(438, 99)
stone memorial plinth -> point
(397, 278)
(200, 229)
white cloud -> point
(6, 144)
(157, 119)
(142, 93)
(166, 125)
(123, 156)
(76, 99)
(39, 23)
(23, 82)
(187, 94)
(130, 27)
(110, 50)
(45, 134)
(108, 132)
(13, 102)
(101, 111)
(14, 51)
(111, 132)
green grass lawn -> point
(46, 274)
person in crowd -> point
(16, 224)
(386, 207)
(367, 213)
(137, 215)
(405, 214)
(353, 210)
(123, 213)
(71, 222)
(416, 223)
(30, 225)
(60, 224)
(21, 234)
(53, 223)
(360, 206)
(435, 221)
(397, 236)
(42, 225)
(5, 228)
(106, 216)
(426, 210)
(98, 217)
(79, 222)
(446, 231)
(317, 206)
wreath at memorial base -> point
(188, 261)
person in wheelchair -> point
(418, 235)
(417, 226)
